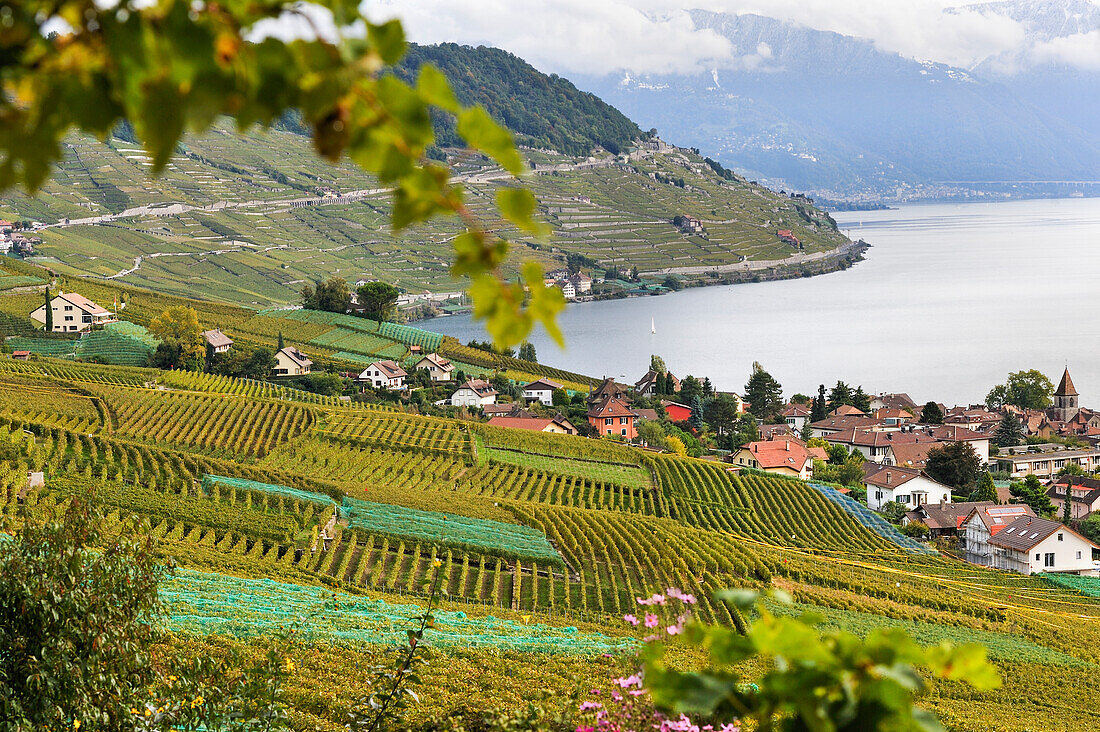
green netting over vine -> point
(492, 537)
(213, 604)
(208, 482)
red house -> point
(613, 417)
(676, 412)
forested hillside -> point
(543, 111)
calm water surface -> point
(950, 298)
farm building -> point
(676, 412)
(290, 361)
(557, 425)
(983, 523)
(474, 393)
(439, 368)
(384, 375)
(541, 390)
(73, 313)
(217, 341)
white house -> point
(796, 416)
(219, 342)
(73, 313)
(384, 375)
(1030, 545)
(567, 288)
(909, 487)
(541, 390)
(984, 522)
(439, 368)
(474, 393)
(290, 361)
(957, 433)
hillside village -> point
(896, 457)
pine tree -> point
(986, 490)
(819, 409)
(696, 418)
(1009, 432)
(764, 394)
(931, 414)
(282, 343)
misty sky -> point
(656, 36)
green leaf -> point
(740, 598)
(434, 89)
(518, 205)
(479, 130)
(388, 39)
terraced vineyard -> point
(267, 497)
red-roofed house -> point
(788, 236)
(910, 488)
(474, 393)
(796, 415)
(73, 313)
(984, 522)
(558, 425)
(613, 417)
(782, 456)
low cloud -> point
(1081, 50)
(569, 36)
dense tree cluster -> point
(543, 111)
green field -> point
(538, 557)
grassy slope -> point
(263, 254)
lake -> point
(951, 298)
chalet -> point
(290, 361)
(1045, 460)
(439, 368)
(906, 486)
(647, 385)
(909, 455)
(73, 313)
(789, 237)
(556, 425)
(832, 425)
(508, 409)
(613, 417)
(893, 416)
(384, 375)
(676, 412)
(875, 445)
(957, 433)
(217, 341)
(796, 416)
(541, 390)
(984, 522)
(1084, 495)
(782, 457)
(894, 401)
(1030, 545)
(944, 519)
(474, 393)
(608, 389)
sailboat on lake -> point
(652, 325)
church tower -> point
(1065, 399)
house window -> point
(1078, 555)
(609, 420)
(623, 432)
(68, 318)
(68, 308)
(1038, 557)
(903, 499)
(1048, 559)
(1059, 536)
(878, 495)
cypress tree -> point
(49, 312)
(282, 344)
(1067, 509)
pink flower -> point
(729, 728)
(652, 621)
(632, 680)
(688, 599)
(585, 706)
(616, 696)
(630, 619)
(675, 630)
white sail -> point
(652, 325)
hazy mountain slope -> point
(826, 112)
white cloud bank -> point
(657, 36)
